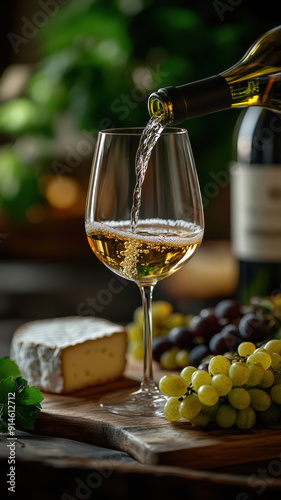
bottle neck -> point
(177, 104)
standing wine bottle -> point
(254, 81)
(256, 202)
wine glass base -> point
(143, 402)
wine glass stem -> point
(146, 293)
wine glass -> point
(167, 231)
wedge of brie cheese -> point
(67, 354)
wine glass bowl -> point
(167, 231)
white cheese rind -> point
(63, 332)
(51, 354)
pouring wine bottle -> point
(256, 202)
(254, 81)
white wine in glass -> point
(165, 234)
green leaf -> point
(7, 386)
(8, 368)
(26, 395)
(26, 415)
(3, 425)
(17, 397)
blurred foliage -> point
(99, 63)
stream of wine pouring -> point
(149, 137)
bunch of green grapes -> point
(164, 319)
(237, 391)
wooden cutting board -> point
(154, 440)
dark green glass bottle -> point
(254, 81)
(256, 202)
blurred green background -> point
(80, 66)
(69, 68)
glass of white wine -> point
(165, 234)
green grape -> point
(161, 310)
(208, 395)
(171, 409)
(202, 419)
(260, 400)
(182, 358)
(190, 407)
(219, 364)
(188, 319)
(175, 319)
(271, 416)
(273, 345)
(187, 372)
(211, 410)
(239, 398)
(173, 385)
(239, 373)
(275, 394)
(200, 377)
(168, 359)
(226, 416)
(277, 378)
(136, 349)
(135, 332)
(261, 357)
(275, 362)
(138, 316)
(228, 355)
(256, 374)
(276, 301)
(261, 349)
(246, 349)
(222, 384)
(267, 380)
(246, 418)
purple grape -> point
(252, 328)
(218, 344)
(160, 345)
(209, 312)
(228, 308)
(203, 327)
(223, 322)
(227, 340)
(248, 309)
(197, 354)
(204, 366)
(181, 337)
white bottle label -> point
(256, 212)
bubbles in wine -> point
(156, 250)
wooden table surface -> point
(57, 468)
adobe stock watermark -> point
(265, 135)
(92, 305)
(11, 445)
(75, 155)
(84, 488)
(222, 8)
(219, 180)
(30, 27)
(262, 478)
(150, 78)
(122, 106)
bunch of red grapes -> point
(216, 331)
